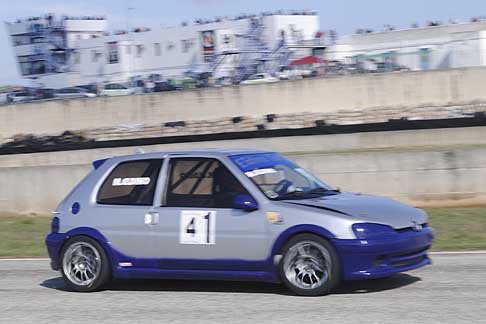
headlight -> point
(369, 231)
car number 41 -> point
(197, 227)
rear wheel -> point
(85, 266)
(309, 266)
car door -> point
(197, 221)
(125, 91)
(125, 207)
(109, 90)
(70, 93)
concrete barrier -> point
(421, 167)
(357, 92)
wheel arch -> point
(278, 257)
(92, 234)
(291, 232)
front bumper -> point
(366, 259)
(54, 242)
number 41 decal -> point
(197, 227)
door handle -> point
(151, 218)
(155, 219)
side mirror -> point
(245, 202)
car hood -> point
(367, 208)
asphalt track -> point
(452, 290)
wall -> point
(421, 167)
(317, 95)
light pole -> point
(129, 45)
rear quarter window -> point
(131, 183)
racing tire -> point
(85, 266)
(309, 265)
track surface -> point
(452, 290)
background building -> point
(76, 51)
(432, 47)
(46, 47)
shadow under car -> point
(347, 287)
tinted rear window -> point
(131, 183)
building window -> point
(76, 57)
(94, 56)
(112, 52)
(391, 61)
(139, 50)
(21, 40)
(424, 55)
(128, 49)
(186, 45)
(170, 46)
(157, 49)
(38, 40)
(26, 68)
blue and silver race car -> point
(231, 215)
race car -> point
(229, 214)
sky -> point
(343, 16)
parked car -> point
(75, 92)
(117, 89)
(303, 73)
(20, 96)
(289, 75)
(44, 93)
(223, 82)
(91, 88)
(260, 78)
(228, 214)
(3, 98)
(311, 74)
(164, 86)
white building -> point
(432, 47)
(74, 51)
(46, 46)
(225, 47)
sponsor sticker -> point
(142, 181)
(274, 217)
(257, 172)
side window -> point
(131, 183)
(201, 182)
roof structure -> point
(307, 60)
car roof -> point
(120, 83)
(208, 152)
(71, 88)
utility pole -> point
(129, 45)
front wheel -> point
(309, 266)
(85, 266)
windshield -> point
(279, 178)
